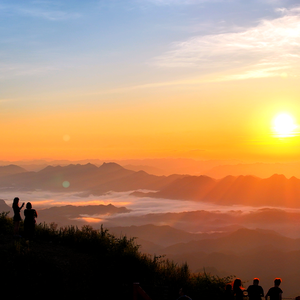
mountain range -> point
(84, 178)
(276, 190)
(168, 166)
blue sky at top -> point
(44, 36)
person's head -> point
(228, 287)
(28, 205)
(16, 200)
(182, 291)
(237, 284)
(256, 281)
(277, 281)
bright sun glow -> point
(284, 125)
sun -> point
(284, 125)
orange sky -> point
(188, 122)
(203, 92)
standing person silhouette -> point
(17, 216)
(255, 291)
(30, 220)
(238, 290)
(275, 292)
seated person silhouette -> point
(182, 294)
(255, 291)
(228, 295)
(275, 292)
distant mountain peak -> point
(50, 168)
(75, 167)
(11, 169)
(278, 175)
(247, 232)
(111, 166)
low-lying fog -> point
(186, 215)
(139, 206)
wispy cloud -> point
(269, 49)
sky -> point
(122, 79)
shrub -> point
(6, 223)
(73, 263)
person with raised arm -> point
(17, 215)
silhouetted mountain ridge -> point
(75, 211)
(276, 190)
(162, 235)
(241, 241)
(66, 214)
(88, 178)
(10, 170)
(4, 207)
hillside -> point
(72, 263)
(244, 253)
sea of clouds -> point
(137, 205)
(186, 215)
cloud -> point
(269, 49)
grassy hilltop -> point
(72, 263)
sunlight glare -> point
(284, 125)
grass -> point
(73, 263)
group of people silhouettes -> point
(29, 221)
(235, 291)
